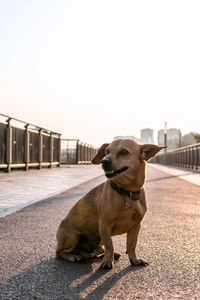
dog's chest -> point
(127, 217)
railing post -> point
(192, 158)
(197, 158)
(27, 147)
(77, 152)
(9, 145)
(90, 154)
(40, 148)
(59, 151)
(185, 157)
(87, 156)
(51, 150)
(81, 152)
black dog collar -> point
(135, 195)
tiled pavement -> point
(20, 188)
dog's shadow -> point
(59, 279)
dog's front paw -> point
(107, 265)
(139, 263)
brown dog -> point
(115, 207)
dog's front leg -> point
(132, 237)
(105, 233)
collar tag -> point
(128, 204)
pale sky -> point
(96, 69)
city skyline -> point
(175, 138)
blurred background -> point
(95, 70)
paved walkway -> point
(19, 188)
(185, 174)
(169, 240)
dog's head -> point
(123, 156)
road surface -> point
(169, 240)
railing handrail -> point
(185, 147)
(75, 140)
(79, 142)
(28, 123)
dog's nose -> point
(107, 163)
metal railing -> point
(73, 151)
(185, 157)
(25, 145)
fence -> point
(185, 157)
(24, 145)
(76, 152)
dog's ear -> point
(100, 154)
(148, 150)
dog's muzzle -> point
(114, 173)
(108, 168)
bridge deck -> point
(169, 240)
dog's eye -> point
(107, 151)
(123, 152)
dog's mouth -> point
(114, 173)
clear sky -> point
(95, 69)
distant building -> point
(147, 136)
(188, 139)
(173, 138)
(131, 137)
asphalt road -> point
(169, 240)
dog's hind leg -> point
(70, 256)
(67, 240)
(89, 248)
(98, 251)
